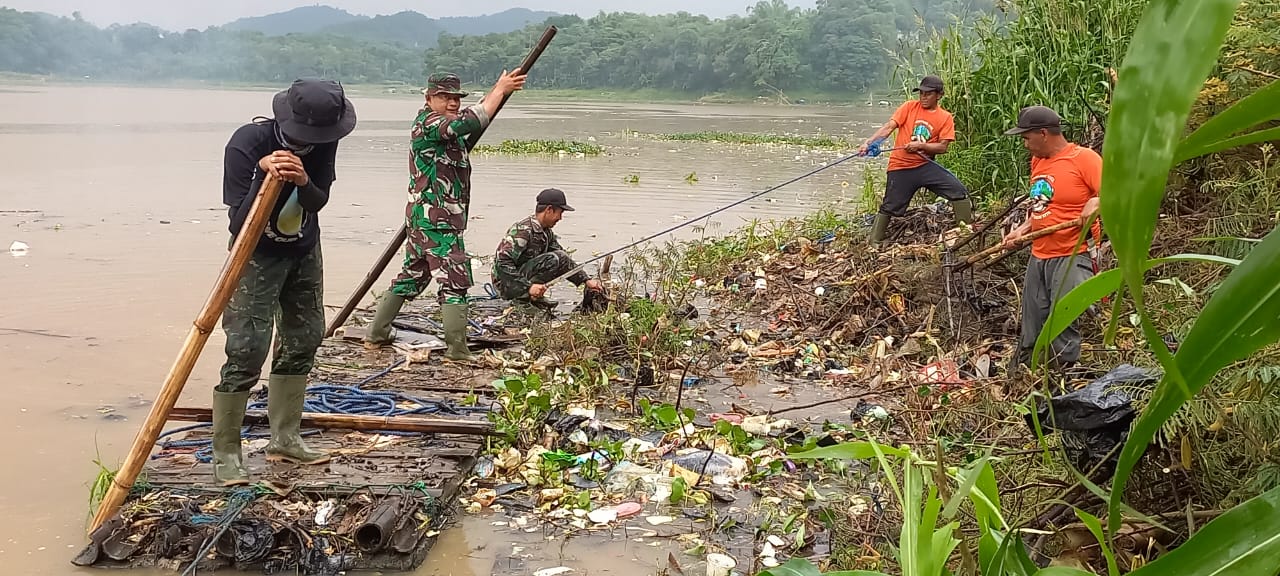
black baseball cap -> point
(555, 198)
(930, 83)
(1035, 118)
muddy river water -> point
(117, 193)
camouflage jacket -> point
(440, 169)
(526, 240)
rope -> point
(334, 399)
(239, 499)
(691, 221)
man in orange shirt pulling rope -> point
(925, 130)
(1065, 181)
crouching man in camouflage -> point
(283, 281)
(437, 211)
(530, 256)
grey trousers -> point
(1043, 287)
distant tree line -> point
(839, 45)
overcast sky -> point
(183, 14)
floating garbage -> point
(18, 249)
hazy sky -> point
(183, 14)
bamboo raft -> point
(378, 505)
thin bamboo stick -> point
(241, 251)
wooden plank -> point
(352, 422)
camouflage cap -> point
(445, 83)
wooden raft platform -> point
(377, 505)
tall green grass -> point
(1047, 52)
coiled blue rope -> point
(334, 399)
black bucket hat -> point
(314, 112)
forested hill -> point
(409, 28)
(839, 45)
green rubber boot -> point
(963, 210)
(228, 417)
(879, 228)
(284, 411)
(455, 332)
(379, 331)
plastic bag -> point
(1094, 419)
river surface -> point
(117, 193)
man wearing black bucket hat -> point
(282, 283)
(925, 130)
(530, 255)
(437, 211)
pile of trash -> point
(257, 528)
(824, 305)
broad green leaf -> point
(1242, 316)
(802, 567)
(1242, 140)
(1095, 527)
(847, 451)
(1171, 52)
(1074, 303)
(986, 501)
(1248, 112)
(1243, 542)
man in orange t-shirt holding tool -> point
(925, 130)
(1065, 181)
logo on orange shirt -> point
(1041, 192)
(922, 132)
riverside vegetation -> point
(1193, 487)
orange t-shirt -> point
(919, 125)
(1060, 187)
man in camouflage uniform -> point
(530, 256)
(439, 200)
(283, 282)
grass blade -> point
(1243, 542)
(1171, 53)
(1248, 112)
(1095, 527)
(802, 567)
(848, 451)
(1063, 571)
(1229, 143)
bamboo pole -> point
(1019, 243)
(394, 246)
(203, 325)
(353, 422)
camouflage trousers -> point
(431, 253)
(284, 292)
(540, 269)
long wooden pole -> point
(1019, 243)
(239, 256)
(394, 246)
(354, 422)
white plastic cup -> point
(719, 564)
